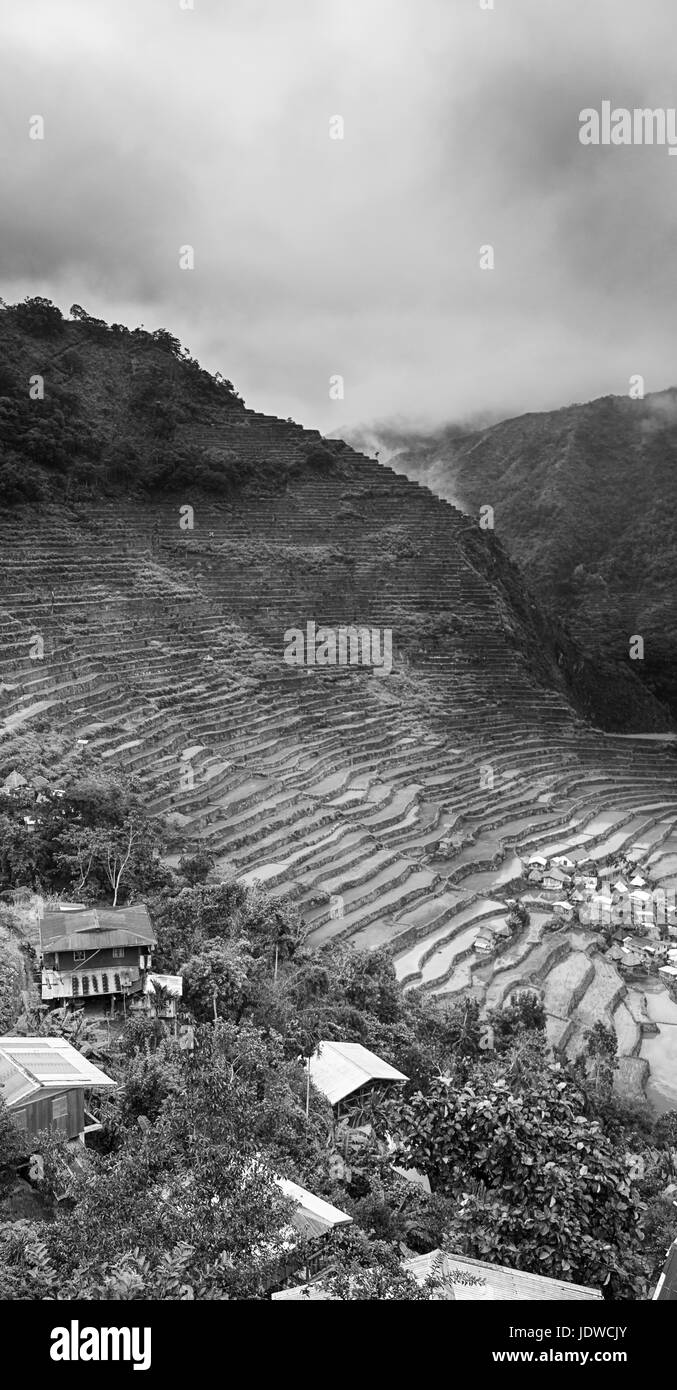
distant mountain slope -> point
(585, 500)
(110, 421)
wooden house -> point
(14, 783)
(44, 1081)
(313, 1217)
(96, 957)
(348, 1072)
(555, 880)
(563, 909)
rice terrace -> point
(461, 808)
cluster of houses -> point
(640, 923)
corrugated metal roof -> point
(15, 1086)
(44, 1063)
(302, 1293)
(500, 1284)
(96, 927)
(313, 1216)
(339, 1068)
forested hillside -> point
(585, 500)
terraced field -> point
(390, 808)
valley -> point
(391, 810)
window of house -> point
(20, 1118)
(118, 952)
(78, 955)
(60, 1110)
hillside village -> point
(636, 922)
(287, 951)
(94, 976)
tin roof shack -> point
(343, 1071)
(650, 949)
(43, 1082)
(313, 1217)
(555, 881)
(498, 1284)
(459, 1278)
(96, 956)
(485, 941)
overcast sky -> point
(358, 257)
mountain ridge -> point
(584, 499)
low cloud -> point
(358, 257)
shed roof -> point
(29, 1065)
(499, 1284)
(340, 1068)
(95, 928)
(14, 781)
(313, 1216)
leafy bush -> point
(37, 316)
(318, 456)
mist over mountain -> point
(585, 500)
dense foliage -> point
(526, 1157)
(585, 501)
(89, 408)
(91, 838)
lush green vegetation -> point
(585, 501)
(526, 1156)
(114, 409)
(91, 839)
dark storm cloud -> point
(359, 257)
